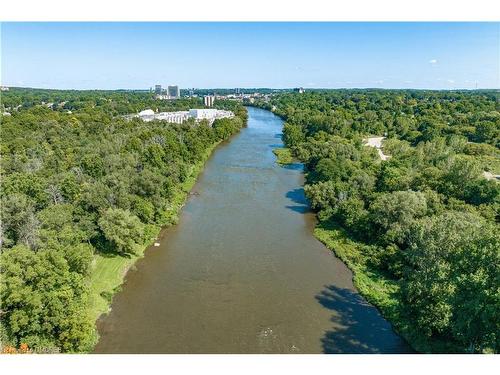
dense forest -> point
(421, 229)
(83, 192)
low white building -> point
(179, 117)
(146, 112)
(209, 114)
(175, 117)
(147, 115)
(202, 114)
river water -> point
(242, 272)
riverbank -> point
(283, 155)
(378, 289)
(372, 284)
(109, 272)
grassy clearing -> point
(283, 155)
(109, 270)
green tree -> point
(44, 297)
(393, 213)
(451, 282)
(123, 229)
(292, 135)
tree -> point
(292, 135)
(19, 223)
(434, 168)
(393, 213)
(451, 282)
(123, 229)
(44, 298)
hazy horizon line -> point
(257, 88)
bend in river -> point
(242, 272)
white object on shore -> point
(157, 244)
(377, 143)
(491, 176)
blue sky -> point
(279, 55)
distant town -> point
(172, 92)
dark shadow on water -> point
(279, 135)
(359, 328)
(299, 209)
(277, 145)
(297, 196)
(294, 166)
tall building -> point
(173, 92)
(158, 89)
(208, 100)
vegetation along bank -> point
(420, 229)
(83, 192)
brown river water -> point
(242, 272)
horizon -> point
(308, 89)
(347, 55)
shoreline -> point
(109, 273)
(373, 286)
(376, 289)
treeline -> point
(120, 102)
(421, 228)
(76, 185)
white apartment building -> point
(178, 117)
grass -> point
(376, 287)
(107, 276)
(109, 271)
(283, 155)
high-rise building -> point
(208, 100)
(173, 92)
(158, 89)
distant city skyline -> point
(251, 55)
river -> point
(242, 272)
